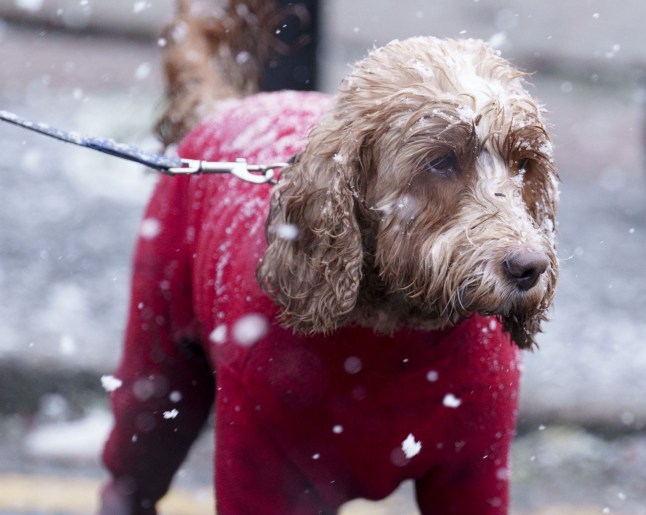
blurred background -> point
(69, 217)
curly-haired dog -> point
(363, 336)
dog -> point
(360, 324)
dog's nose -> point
(524, 267)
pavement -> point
(69, 220)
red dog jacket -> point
(303, 423)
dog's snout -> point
(524, 267)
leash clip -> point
(255, 174)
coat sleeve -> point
(167, 384)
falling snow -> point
(249, 329)
(68, 345)
(110, 383)
(287, 232)
(150, 228)
(219, 334)
(352, 365)
(411, 447)
(451, 401)
(143, 71)
(30, 5)
(432, 376)
(139, 6)
(498, 39)
(170, 414)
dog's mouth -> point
(521, 310)
(519, 302)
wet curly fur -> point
(432, 167)
(429, 175)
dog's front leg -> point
(167, 385)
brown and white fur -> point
(423, 198)
(428, 191)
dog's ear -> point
(313, 264)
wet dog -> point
(354, 328)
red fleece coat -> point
(303, 424)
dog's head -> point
(426, 194)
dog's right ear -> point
(313, 264)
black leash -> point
(257, 174)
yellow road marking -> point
(22, 493)
(573, 510)
(71, 496)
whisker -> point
(484, 220)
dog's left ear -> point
(313, 265)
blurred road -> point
(69, 218)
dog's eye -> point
(523, 163)
(446, 164)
